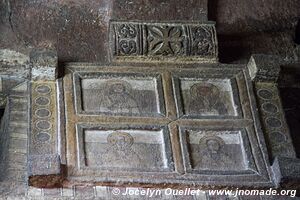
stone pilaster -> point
(264, 71)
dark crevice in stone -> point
(297, 34)
(61, 67)
(212, 10)
(291, 105)
(1, 112)
(4, 114)
(290, 94)
(239, 48)
(10, 16)
(231, 48)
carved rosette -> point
(166, 40)
(202, 41)
(127, 39)
(158, 41)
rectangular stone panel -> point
(206, 97)
(163, 41)
(124, 149)
(119, 94)
(211, 151)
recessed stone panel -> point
(218, 151)
(118, 94)
(135, 149)
(132, 125)
(213, 151)
(200, 98)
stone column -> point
(264, 71)
(44, 162)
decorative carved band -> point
(157, 41)
(43, 115)
(43, 153)
(273, 120)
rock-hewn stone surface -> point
(236, 17)
(79, 29)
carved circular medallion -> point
(43, 137)
(270, 107)
(42, 113)
(273, 122)
(43, 89)
(43, 125)
(278, 137)
(265, 94)
(42, 101)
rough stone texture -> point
(264, 68)
(165, 10)
(14, 144)
(239, 48)
(236, 17)
(286, 172)
(78, 29)
(63, 25)
(44, 65)
(13, 57)
(14, 64)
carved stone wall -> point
(158, 111)
(77, 29)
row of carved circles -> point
(42, 113)
(273, 120)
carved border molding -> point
(134, 41)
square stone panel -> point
(119, 94)
(216, 151)
(198, 97)
(132, 149)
